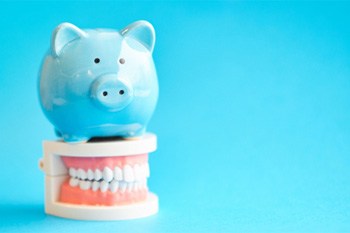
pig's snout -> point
(111, 92)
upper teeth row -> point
(127, 173)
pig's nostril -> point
(105, 93)
(121, 92)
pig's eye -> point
(121, 60)
(97, 60)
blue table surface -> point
(253, 118)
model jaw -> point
(105, 180)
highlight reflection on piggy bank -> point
(99, 83)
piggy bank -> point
(99, 83)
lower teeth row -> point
(112, 186)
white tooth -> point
(107, 174)
(140, 186)
(81, 174)
(113, 186)
(95, 186)
(138, 172)
(98, 174)
(118, 173)
(122, 186)
(90, 174)
(130, 186)
(84, 185)
(128, 173)
(136, 186)
(144, 170)
(73, 182)
(72, 172)
(143, 184)
(103, 186)
(147, 172)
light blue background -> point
(253, 118)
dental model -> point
(99, 89)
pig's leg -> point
(137, 133)
(58, 133)
(74, 138)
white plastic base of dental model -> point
(52, 165)
(104, 213)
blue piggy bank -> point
(99, 83)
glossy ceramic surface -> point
(99, 83)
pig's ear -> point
(63, 34)
(143, 32)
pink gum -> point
(75, 195)
(102, 162)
